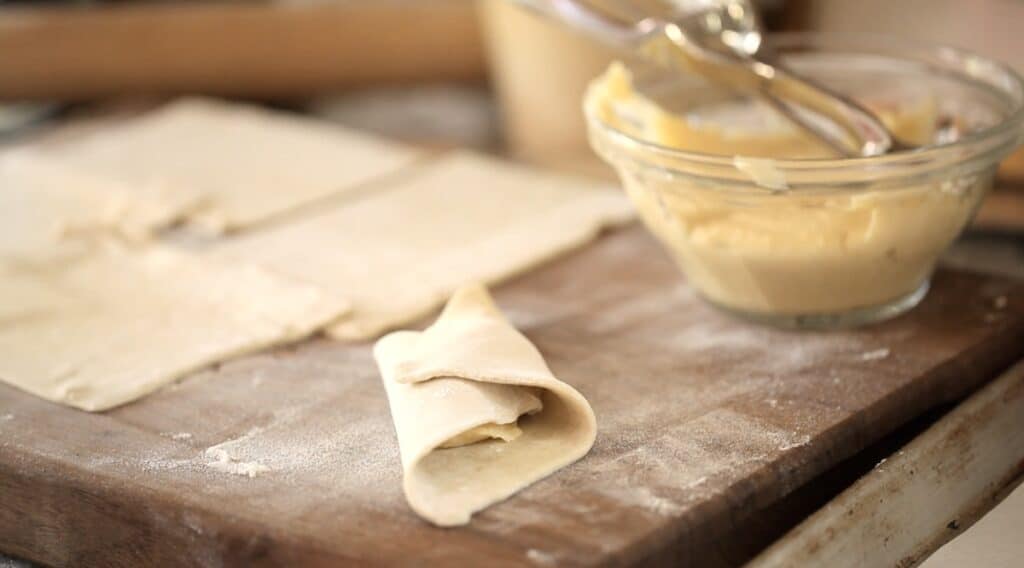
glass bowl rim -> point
(1005, 134)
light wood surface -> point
(257, 49)
(923, 495)
(540, 69)
(703, 421)
(993, 541)
(1002, 210)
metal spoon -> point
(722, 41)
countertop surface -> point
(704, 420)
(318, 414)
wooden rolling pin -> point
(233, 48)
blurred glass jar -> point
(819, 243)
(540, 69)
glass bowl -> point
(816, 242)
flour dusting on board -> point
(657, 504)
(692, 461)
(541, 558)
(223, 461)
(257, 379)
(631, 311)
(875, 355)
(348, 457)
(755, 347)
(162, 464)
(339, 455)
(347, 460)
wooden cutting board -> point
(703, 420)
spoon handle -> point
(839, 122)
(864, 130)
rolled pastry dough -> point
(111, 326)
(399, 253)
(468, 372)
(224, 166)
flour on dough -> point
(225, 166)
(109, 327)
(467, 373)
(398, 253)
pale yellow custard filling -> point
(767, 249)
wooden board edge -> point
(924, 495)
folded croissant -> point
(478, 413)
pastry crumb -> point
(541, 558)
(875, 355)
(227, 464)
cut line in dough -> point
(114, 325)
(399, 252)
(471, 368)
(223, 166)
(48, 211)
